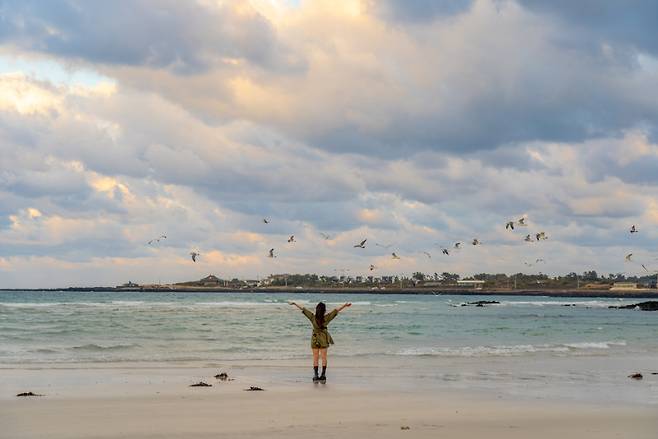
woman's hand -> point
(294, 304)
(343, 306)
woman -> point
(321, 339)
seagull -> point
(522, 221)
(266, 221)
(628, 257)
(528, 264)
(541, 236)
(528, 238)
(445, 251)
(157, 239)
(325, 236)
(539, 260)
(271, 253)
(292, 238)
(476, 241)
(509, 225)
(645, 268)
(372, 267)
(194, 255)
(383, 246)
(362, 244)
(427, 254)
(395, 256)
(458, 245)
(634, 229)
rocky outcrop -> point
(651, 305)
(481, 303)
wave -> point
(92, 347)
(508, 350)
(578, 303)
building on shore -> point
(617, 286)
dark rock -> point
(651, 305)
(254, 389)
(636, 376)
(481, 303)
(201, 384)
(222, 376)
(28, 394)
(569, 304)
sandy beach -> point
(157, 403)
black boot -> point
(323, 377)
(315, 374)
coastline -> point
(157, 402)
(576, 293)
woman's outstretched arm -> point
(293, 303)
(343, 306)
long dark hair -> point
(319, 314)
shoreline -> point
(150, 403)
(575, 293)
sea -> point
(571, 347)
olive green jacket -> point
(321, 339)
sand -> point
(120, 407)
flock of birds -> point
(444, 249)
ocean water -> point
(76, 327)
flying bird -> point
(271, 253)
(292, 238)
(476, 241)
(445, 251)
(528, 238)
(372, 267)
(528, 264)
(266, 221)
(509, 225)
(458, 245)
(634, 229)
(541, 236)
(383, 245)
(522, 221)
(362, 244)
(194, 255)
(157, 239)
(325, 236)
(645, 268)
(395, 256)
(539, 260)
(628, 257)
(428, 254)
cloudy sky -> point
(412, 123)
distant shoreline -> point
(639, 293)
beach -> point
(120, 365)
(119, 406)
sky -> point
(410, 123)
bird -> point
(395, 256)
(266, 221)
(457, 245)
(645, 268)
(528, 264)
(194, 255)
(522, 221)
(292, 238)
(325, 236)
(634, 229)
(541, 236)
(383, 245)
(362, 244)
(157, 239)
(445, 251)
(628, 257)
(539, 260)
(372, 267)
(428, 254)
(528, 238)
(509, 225)
(271, 253)
(476, 241)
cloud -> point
(397, 122)
(185, 37)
